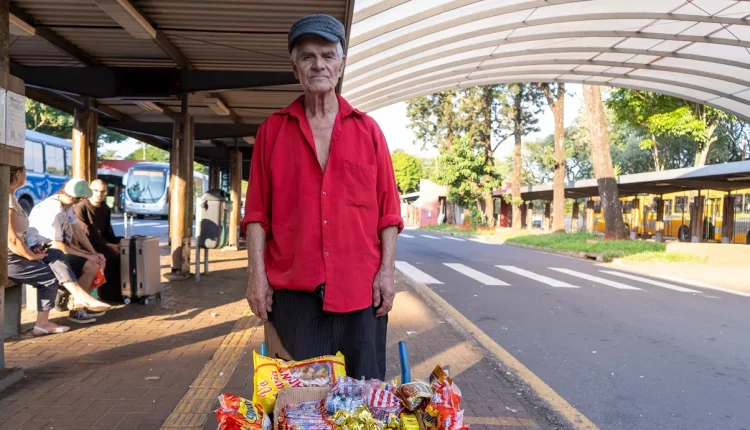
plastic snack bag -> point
(99, 280)
(238, 413)
(272, 375)
(414, 393)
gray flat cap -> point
(325, 26)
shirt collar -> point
(297, 108)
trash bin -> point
(215, 209)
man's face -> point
(100, 193)
(317, 65)
(68, 200)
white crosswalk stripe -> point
(650, 281)
(162, 226)
(415, 274)
(430, 237)
(455, 238)
(703, 285)
(147, 224)
(537, 277)
(595, 279)
(406, 236)
(475, 274)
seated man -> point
(95, 219)
(54, 219)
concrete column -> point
(546, 222)
(235, 194)
(727, 223)
(85, 135)
(659, 236)
(574, 217)
(589, 221)
(524, 215)
(696, 218)
(635, 218)
(530, 216)
(180, 186)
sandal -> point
(44, 332)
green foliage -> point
(48, 120)
(463, 167)
(408, 170)
(107, 154)
(433, 119)
(158, 155)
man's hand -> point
(102, 260)
(383, 291)
(259, 295)
(114, 247)
(37, 255)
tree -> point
(539, 157)
(48, 120)
(464, 169)
(408, 170)
(555, 95)
(601, 159)
(433, 119)
(519, 105)
(107, 154)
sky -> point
(395, 125)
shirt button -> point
(325, 221)
(326, 254)
(324, 193)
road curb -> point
(573, 254)
(555, 409)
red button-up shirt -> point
(323, 226)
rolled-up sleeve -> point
(258, 198)
(389, 203)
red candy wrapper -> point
(237, 413)
(446, 401)
(99, 280)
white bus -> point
(147, 189)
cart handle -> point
(405, 369)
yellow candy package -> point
(272, 375)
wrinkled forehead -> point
(315, 45)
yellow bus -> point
(677, 209)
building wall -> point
(429, 198)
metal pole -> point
(132, 228)
(205, 260)
(197, 262)
(125, 224)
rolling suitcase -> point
(139, 269)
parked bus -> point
(677, 210)
(147, 189)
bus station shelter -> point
(198, 77)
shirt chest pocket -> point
(359, 184)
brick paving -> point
(134, 368)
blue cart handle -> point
(405, 369)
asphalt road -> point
(145, 227)
(627, 353)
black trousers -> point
(307, 331)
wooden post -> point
(235, 193)
(574, 217)
(727, 223)
(214, 177)
(589, 221)
(547, 216)
(659, 236)
(696, 218)
(635, 218)
(85, 135)
(181, 178)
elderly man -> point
(322, 214)
(95, 219)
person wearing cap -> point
(55, 219)
(323, 214)
(29, 262)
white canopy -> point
(698, 50)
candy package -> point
(272, 375)
(238, 413)
(362, 419)
(409, 421)
(349, 394)
(304, 416)
(446, 402)
(414, 393)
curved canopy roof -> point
(698, 50)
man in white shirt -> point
(55, 219)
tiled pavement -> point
(134, 368)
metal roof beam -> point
(202, 131)
(50, 36)
(143, 83)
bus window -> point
(747, 203)
(680, 204)
(667, 207)
(597, 207)
(33, 157)
(55, 160)
(737, 203)
(626, 207)
(68, 163)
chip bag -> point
(237, 413)
(272, 375)
(99, 280)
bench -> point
(11, 309)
